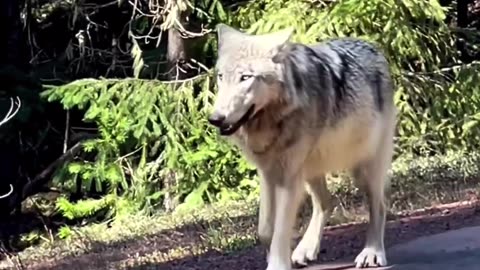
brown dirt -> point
(340, 242)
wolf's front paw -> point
(371, 257)
(275, 264)
(272, 266)
(305, 252)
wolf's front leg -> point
(266, 217)
(287, 199)
(309, 247)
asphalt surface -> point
(452, 250)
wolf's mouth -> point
(230, 129)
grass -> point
(229, 227)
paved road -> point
(453, 250)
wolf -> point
(299, 112)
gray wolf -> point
(299, 112)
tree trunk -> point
(13, 58)
(462, 23)
(176, 55)
(12, 41)
(178, 50)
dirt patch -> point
(339, 242)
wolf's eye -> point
(245, 77)
(220, 77)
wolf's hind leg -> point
(308, 248)
(373, 176)
(373, 253)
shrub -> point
(154, 142)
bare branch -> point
(443, 70)
(205, 68)
(66, 134)
(7, 194)
(15, 105)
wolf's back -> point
(360, 52)
(357, 63)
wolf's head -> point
(247, 77)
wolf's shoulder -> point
(349, 47)
(352, 51)
(350, 44)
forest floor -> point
(200, 245)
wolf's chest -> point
(259, 141)
(343, 147)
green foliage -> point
(437, 113)
(418, 181)
(65, 232)
(151, 134)
(155, 146)
(84, 208)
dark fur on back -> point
(331, 76)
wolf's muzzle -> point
(227, 129)
(216, 119)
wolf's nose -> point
(216, 119)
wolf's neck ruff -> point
(256, 134)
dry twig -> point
(15, 105)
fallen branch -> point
(42, 178)
(14, 108)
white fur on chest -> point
(340, 148)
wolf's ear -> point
(226, 34)
(281, 52)
(279, 57)
(279, 38)
(277, 43)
